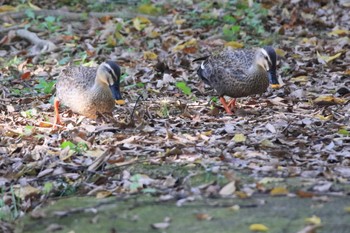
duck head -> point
(267, 59)
(109, 74)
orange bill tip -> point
(120, 102)
(275, 86)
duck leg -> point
(223, 102)
(57, 120)
(232, 103)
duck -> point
(88, 90)
(239, 73)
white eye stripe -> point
(202, 66)
(263, 51)
(110, 70)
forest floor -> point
(171, 155)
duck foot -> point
(57, 120)
(226, 107)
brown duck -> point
(87, 90)
(239, 73)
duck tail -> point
(200, 59)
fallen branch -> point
(39, 45)
(73, 16)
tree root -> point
(39, 45)
(73, 16)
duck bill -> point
(116, 91)
(273, 78)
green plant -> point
(8, 212)
(230, 32)
(79, 147)
(44, 86)
(50, 23)
(184, 88)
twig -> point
(133, 110)
(39, 45)
(73, 16)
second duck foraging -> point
(89, 91)
(239, 73)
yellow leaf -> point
(103, 194)
(300, 79)
(267, 180)
(278, 191)
(324, 118)
(239, 137)
(234, 208)
(153, 34)
(190, 43)
(111, 41)
(34, 7)
(268, 143)
(241, 194)
(258, 227)
(329, 100)
(280, 52)
(148, 9)
(339, 32)
(148, 55)
(234, 44)
(140, 23)
(6, 8)
(313, 220)
(326, 58)
(180, 21)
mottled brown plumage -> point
(87, 90)
(239, 73)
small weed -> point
(8, 212)
(30, 113)
(44, 86)
(184, 88)
(80, 147)
(49, 23)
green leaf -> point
(184, 88)
(48, 186)
(30, 14)
(344, 132)
(70, 144)
(50, 19)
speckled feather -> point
(233, 73)
(76, 89)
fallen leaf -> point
(258, 227)
(324, 59)
(6, 8)
(280, 52)
(234, 44)
(300, 79)
(304, 194)
(140, 23)
(160, 225)
(339, 32)
(239, 137)
(328, 100)
(148, 55)
(228, 189)
(103, 194)
(25, 75)
(203, 216)
(279, 191)
(313, 220)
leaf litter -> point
(300, 130)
